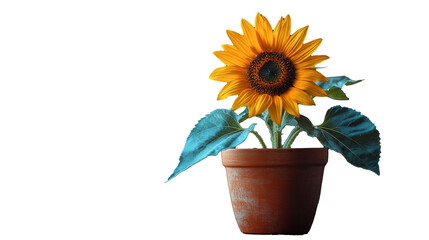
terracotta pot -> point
(275, 191)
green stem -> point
(259, 138)
(292, 136)
(276, 137)
(270, 129)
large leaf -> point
(334, 84)
(352, 134)
(217, 131)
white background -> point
(97, 99)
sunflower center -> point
(271, 73)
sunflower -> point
(269, 69)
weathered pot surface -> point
(275, 191)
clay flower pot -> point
(275, 191)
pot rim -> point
(275, 149)
(274, 157)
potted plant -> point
(276, 190)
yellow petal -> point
(310, 75)
(231, 59)
(306, 50)
(243, 99)
(310, 87)
(264, 32)
(228, 73)
(262, 103)
(312, 61)
(299, 96)
(276, 32)
(234, 51)
(276, 109)
(239, 42)
(251, 105)
(290, 105)
(250, 36)
(278, 27)
(232, 88)
(281, 34)
(295, 41)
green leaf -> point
(307, 126)
(336, 93)
(334, 84)
(217, 131)
(274, 129)
(265, 116)
(352, 134)
(349, 133)
(243, 115)
(353, 82)
(287, 120)
(314, 67)
(338, 81)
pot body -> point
(275, 191)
